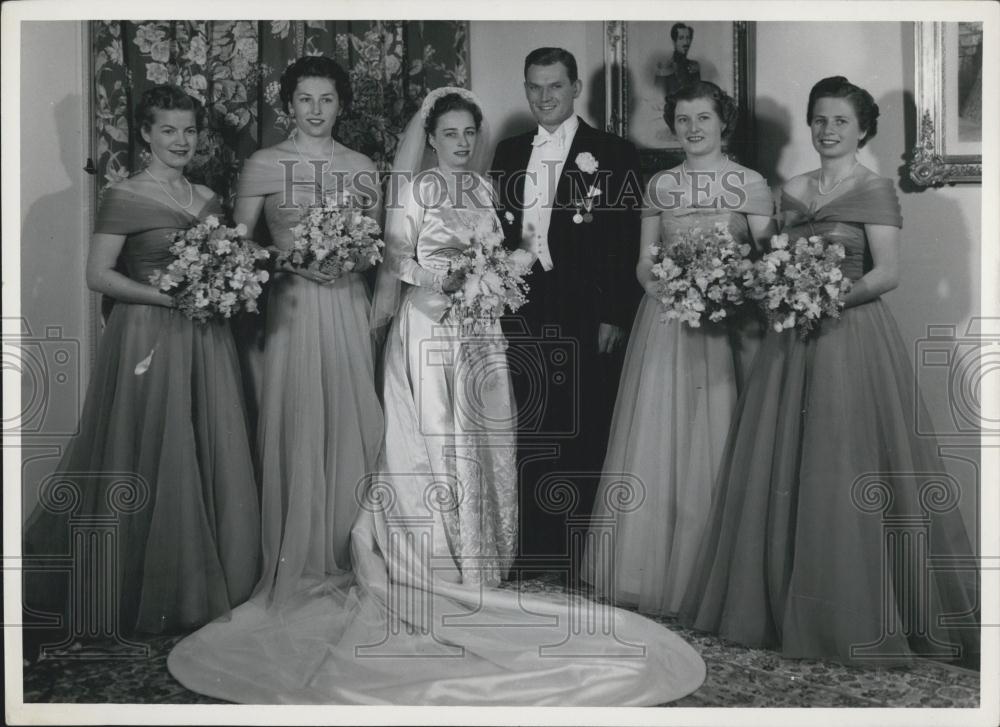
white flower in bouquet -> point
(215, 272)
(333, 236)
(492, 283)
(493, 280)
(700, 275)
(798, 284)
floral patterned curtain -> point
(233, 67)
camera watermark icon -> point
(958, 364)
(912, 571)
(546, 373)
(489, 385)
(91, 565)
(49, 367)
(463, 385)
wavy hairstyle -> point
(724, 105)
(864, 105)
(165, 97)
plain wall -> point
(55, 218)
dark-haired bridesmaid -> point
(319, 425)
(678, 388)
(824, 460)
(163, 451)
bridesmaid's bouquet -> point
(333, 237)
(493, 280)
(797, 284)
(216, 271)
(701, 275)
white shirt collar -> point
(565, 130)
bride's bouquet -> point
(701, 275)
(798, 283)
(333, 236)
(216, 271)
(493, 280)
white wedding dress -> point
(418, 623)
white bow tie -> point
(541, 139)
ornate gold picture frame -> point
(949, 68)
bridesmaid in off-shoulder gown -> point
(162, 456)
(806, 550)
(319, 426)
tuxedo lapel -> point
(581, 140)
(519, 166)
(561, 224)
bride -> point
(419, 623)
(450, 454)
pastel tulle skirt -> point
(826, 503)
(163, 458)
(319, 428)
(674, 407)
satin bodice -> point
(285, 198)
(431, 229)
(148, 226)
(843, 220)
(435, 228)
(446, 230)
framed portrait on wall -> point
(647, 61)
(949, 99)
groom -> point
(575, 193)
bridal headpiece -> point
(431, 98)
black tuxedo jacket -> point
(593, 276)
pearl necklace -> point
(819, 181)
(333, 148)
(166, 191)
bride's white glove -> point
(524, 256)
(523, 259)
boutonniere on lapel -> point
(507, 220)
(587, 163)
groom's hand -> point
(609, 338)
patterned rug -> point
(737, 677)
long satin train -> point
(387, 636)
